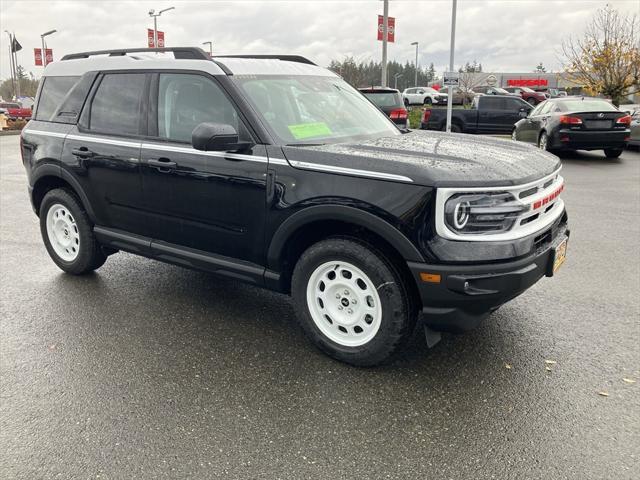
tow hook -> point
(431, 336)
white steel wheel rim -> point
(344, 303)
(63, 233)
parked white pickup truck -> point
(423, 96)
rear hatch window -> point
(384, 99)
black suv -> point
(274, 171)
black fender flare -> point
(346, 214)
(53, 170)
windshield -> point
(586, 105)
(304, 109)
(527, 89)
(500, 90)
(384, 99)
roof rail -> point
(182, 53)
(286, 58)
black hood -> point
(435, 158)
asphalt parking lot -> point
(145, 370)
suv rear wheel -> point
(67, 233)
(352, 302)
(612, 152)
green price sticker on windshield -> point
(309, 130)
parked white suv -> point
(423, 96)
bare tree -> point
(467, 81)
(607, 59)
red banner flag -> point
(391, 28)
(37, 52)
(151, 41)
(49, 56)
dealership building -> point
(536, 81)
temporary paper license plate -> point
(560, 254)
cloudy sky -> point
(504, 35)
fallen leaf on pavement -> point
(603, 394)
(508, 366)
(548, 369)
(628, 380)
(550, 362)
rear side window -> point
(117, 104)
(514, 104)
(53, 91)
(492, 103)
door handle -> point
(82, 152)
(162, 164)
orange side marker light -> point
(430, 277)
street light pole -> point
(451, 50)
(395, 80)
(385, 30)
(210, 48)
(44, 46)
(13, 68)
(415, 83)
(152, 13)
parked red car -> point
(15, 111)
(528, 95)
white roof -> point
(135, 61)
(165, 60)
(268, 66)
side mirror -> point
(523, 112)
(215, 137)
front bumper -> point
(466, 294)
(590, 139)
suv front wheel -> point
(352, 302)
(68, 235)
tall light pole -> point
(452, 48)
(415, 83)
(395, 80)
(44, 46)
(14, 76)
(152, 13)
(385, 30)
(210, 48)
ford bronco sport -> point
(274, 171)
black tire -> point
(455, 128)
(90, 255)
(398, 308)
(406, 102)
(613, 152)
(543, 141)
(427, 101)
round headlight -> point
(461, 215)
